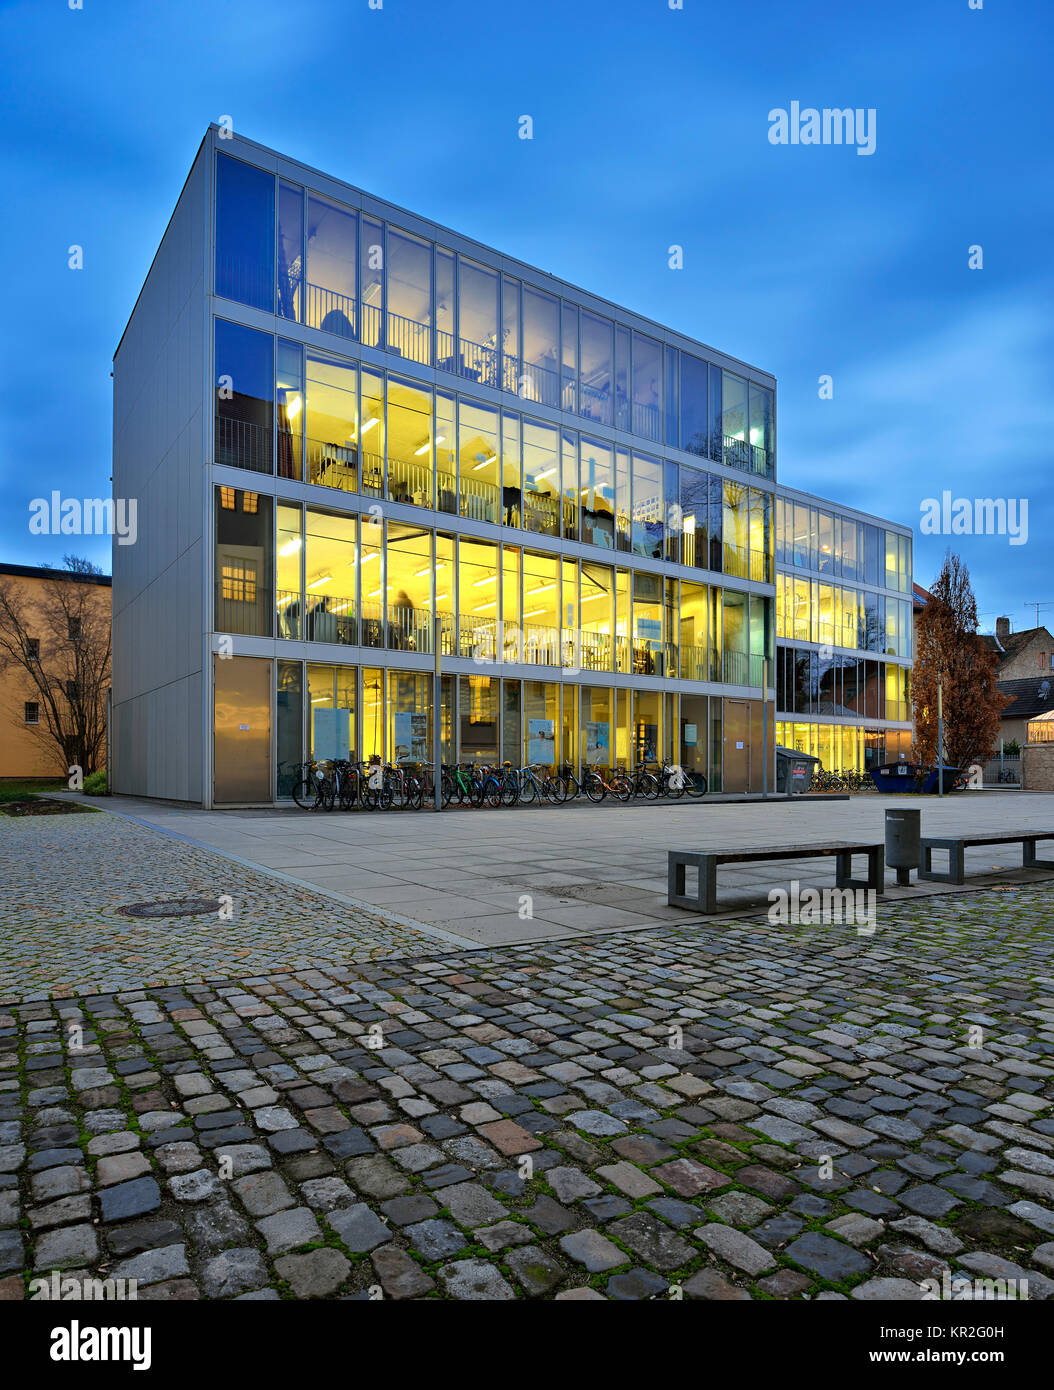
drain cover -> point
(172, 907)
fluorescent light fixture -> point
(322, 579)
(369, 424)
(483, 607)
(423, 449)
(534, 613)
(590, 597)
(548, 473)
(290, 547)
(292, 407)
(490, 579)
(441, 597)
(543, 589)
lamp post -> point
(940, 737)
(437, 711)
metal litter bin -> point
(794, 770)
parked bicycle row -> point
(847, 781)
(376, 786)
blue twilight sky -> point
(650, 128)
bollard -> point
(903, 831)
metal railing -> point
(249, 616)
(408, 338)
(333, 465)
(539, 384)
(330, 311)
(752, 458)
(647, 421)
(410, 482)
(243, 444)
(741, 562)
(479, 500)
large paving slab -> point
(727, 1110)
(529, 873)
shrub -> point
(95, 783)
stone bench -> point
(678, 860)
(957, 845)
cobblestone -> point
(525, 1131)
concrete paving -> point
(498, 877)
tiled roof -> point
(1028, 697)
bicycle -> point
(596, 788)
(458, 781)
(313, 791)
(376, 790)
(531, 787)
(644, 783)
(572, 786)
(346, 783)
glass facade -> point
(452, 447)
(839, 587)
(355, 277)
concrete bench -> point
(957, 845)
(678, 860)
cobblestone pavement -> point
(65, 876)
(729, 1110)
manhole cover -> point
(172, 907)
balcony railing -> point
(333, 465)
(743, 563)
(540, 384)
(410, 482)
(752, 458)
(244, 609)
(243, 444)
(410, 339)
(330, 311)
(479, 500)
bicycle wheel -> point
(647, 786)
(492, 792)
(674, 783)
(695, 784)
(448, 790)
(510, 791)
(594, 787)
(475, 793)
(414, 794)
(305, 794)
(528, 790)
(327, 794)
(621, 788)
(554, 791)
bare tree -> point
(58, 635)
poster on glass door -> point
(541, 740)
(598, 742)
(411, 737)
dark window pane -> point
(671, 378)
(596, 368)
(244, 562)
(647, 387)
(694, 517)
(290, 252)
(244, 233)
(244, 395)
(693, 405)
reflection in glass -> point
(244, 233)
(332, 421)
(331, 255)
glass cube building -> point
(379, 465)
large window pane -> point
(694, 508)
(245, 260)
(289, 407)
(623, 508)
(672, 512)
(693, 405)
(671, 378)
(288, 590)
(569, 357)
(647, 624)
(331, 256)
(569, 443)
(372, 433)
(597, 354)
(597, 493)
(541, 479)
(511, 470)
(761, 429)
(371, 281)
(330, 563)
(244, 395)
(541, 609)
(478, 455)
(541, 710)
(290, 251)
(541, 333)
(331, 712)
(332, 421)
(410, 715)
(409, 296)
(647, 389)
(510, 335)
(446, 454)
(478, 317)
(373, 585)
(446, 311)
(648, 506)
(478, 712)
(408, 585)
(289, 733)
(597, 620)
(244, 563)
(693, 632)
(409, 443)
(478, 598)
(734, 420)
